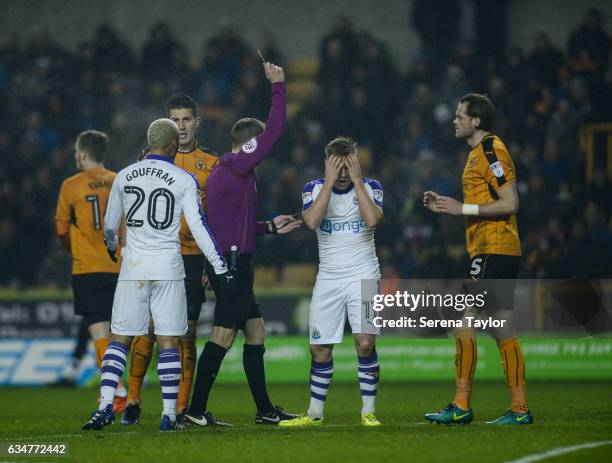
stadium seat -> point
(300, 275)
(301, 89)
(307, 68)
(266, 276)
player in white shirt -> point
(344, 209)
(152, 194)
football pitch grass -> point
(566, 414)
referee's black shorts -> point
(234, 310)
(196, 294)
(496, 274)
(93, 296)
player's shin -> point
(169, 372)
(187, 351)
(320, 379)
(142, 351)
(369, 374)
(253, 362)
(513, 362)
(209, 364)
(113, 366)
(466, 355)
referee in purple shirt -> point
(231, 198)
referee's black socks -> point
(252, 359)
(209, 364)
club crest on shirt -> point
(250, 146)
(497, 169)
(471, 163)
(315, 333)
(355, 200)
(201, 165)
(307, 197)
(378, 195)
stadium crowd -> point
(403, 123)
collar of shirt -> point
(159, 157)
(342, 192)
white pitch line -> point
(560, 451)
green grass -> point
(566, 413)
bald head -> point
(161, 134)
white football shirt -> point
(152, 194)
(346, 243)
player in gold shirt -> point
(490, 206)
(200, 162)
(79, 225)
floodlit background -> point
(388, 74)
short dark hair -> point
(95, 143)
(181, 101)
(477, 105)
(246, 129)
(341, 146)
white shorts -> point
(334, 300)
(136, 301)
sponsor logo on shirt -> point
(355, 226)
(378, 196)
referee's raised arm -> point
(258, 147)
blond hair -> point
(161, 133)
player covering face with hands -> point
(344, 209)
(152, 195)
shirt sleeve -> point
(192, 208)
(500, 169)
(62, 211)
(260, 228)
(112, 217)
(309, 194)
(375, 191)
(254, 151)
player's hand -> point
(206, 282)
(274, 73)
(354, 169)
(446, 205)
(284, 224)
(112, 253)
(429, 199)
(227, 282)
(333, 166)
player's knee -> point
(505, 330)
(190, 336)
(224, 337)
(320, 353)
(125, 340)
(255, 331)
(167, 342)
(365, 346)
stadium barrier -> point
(37, 332)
